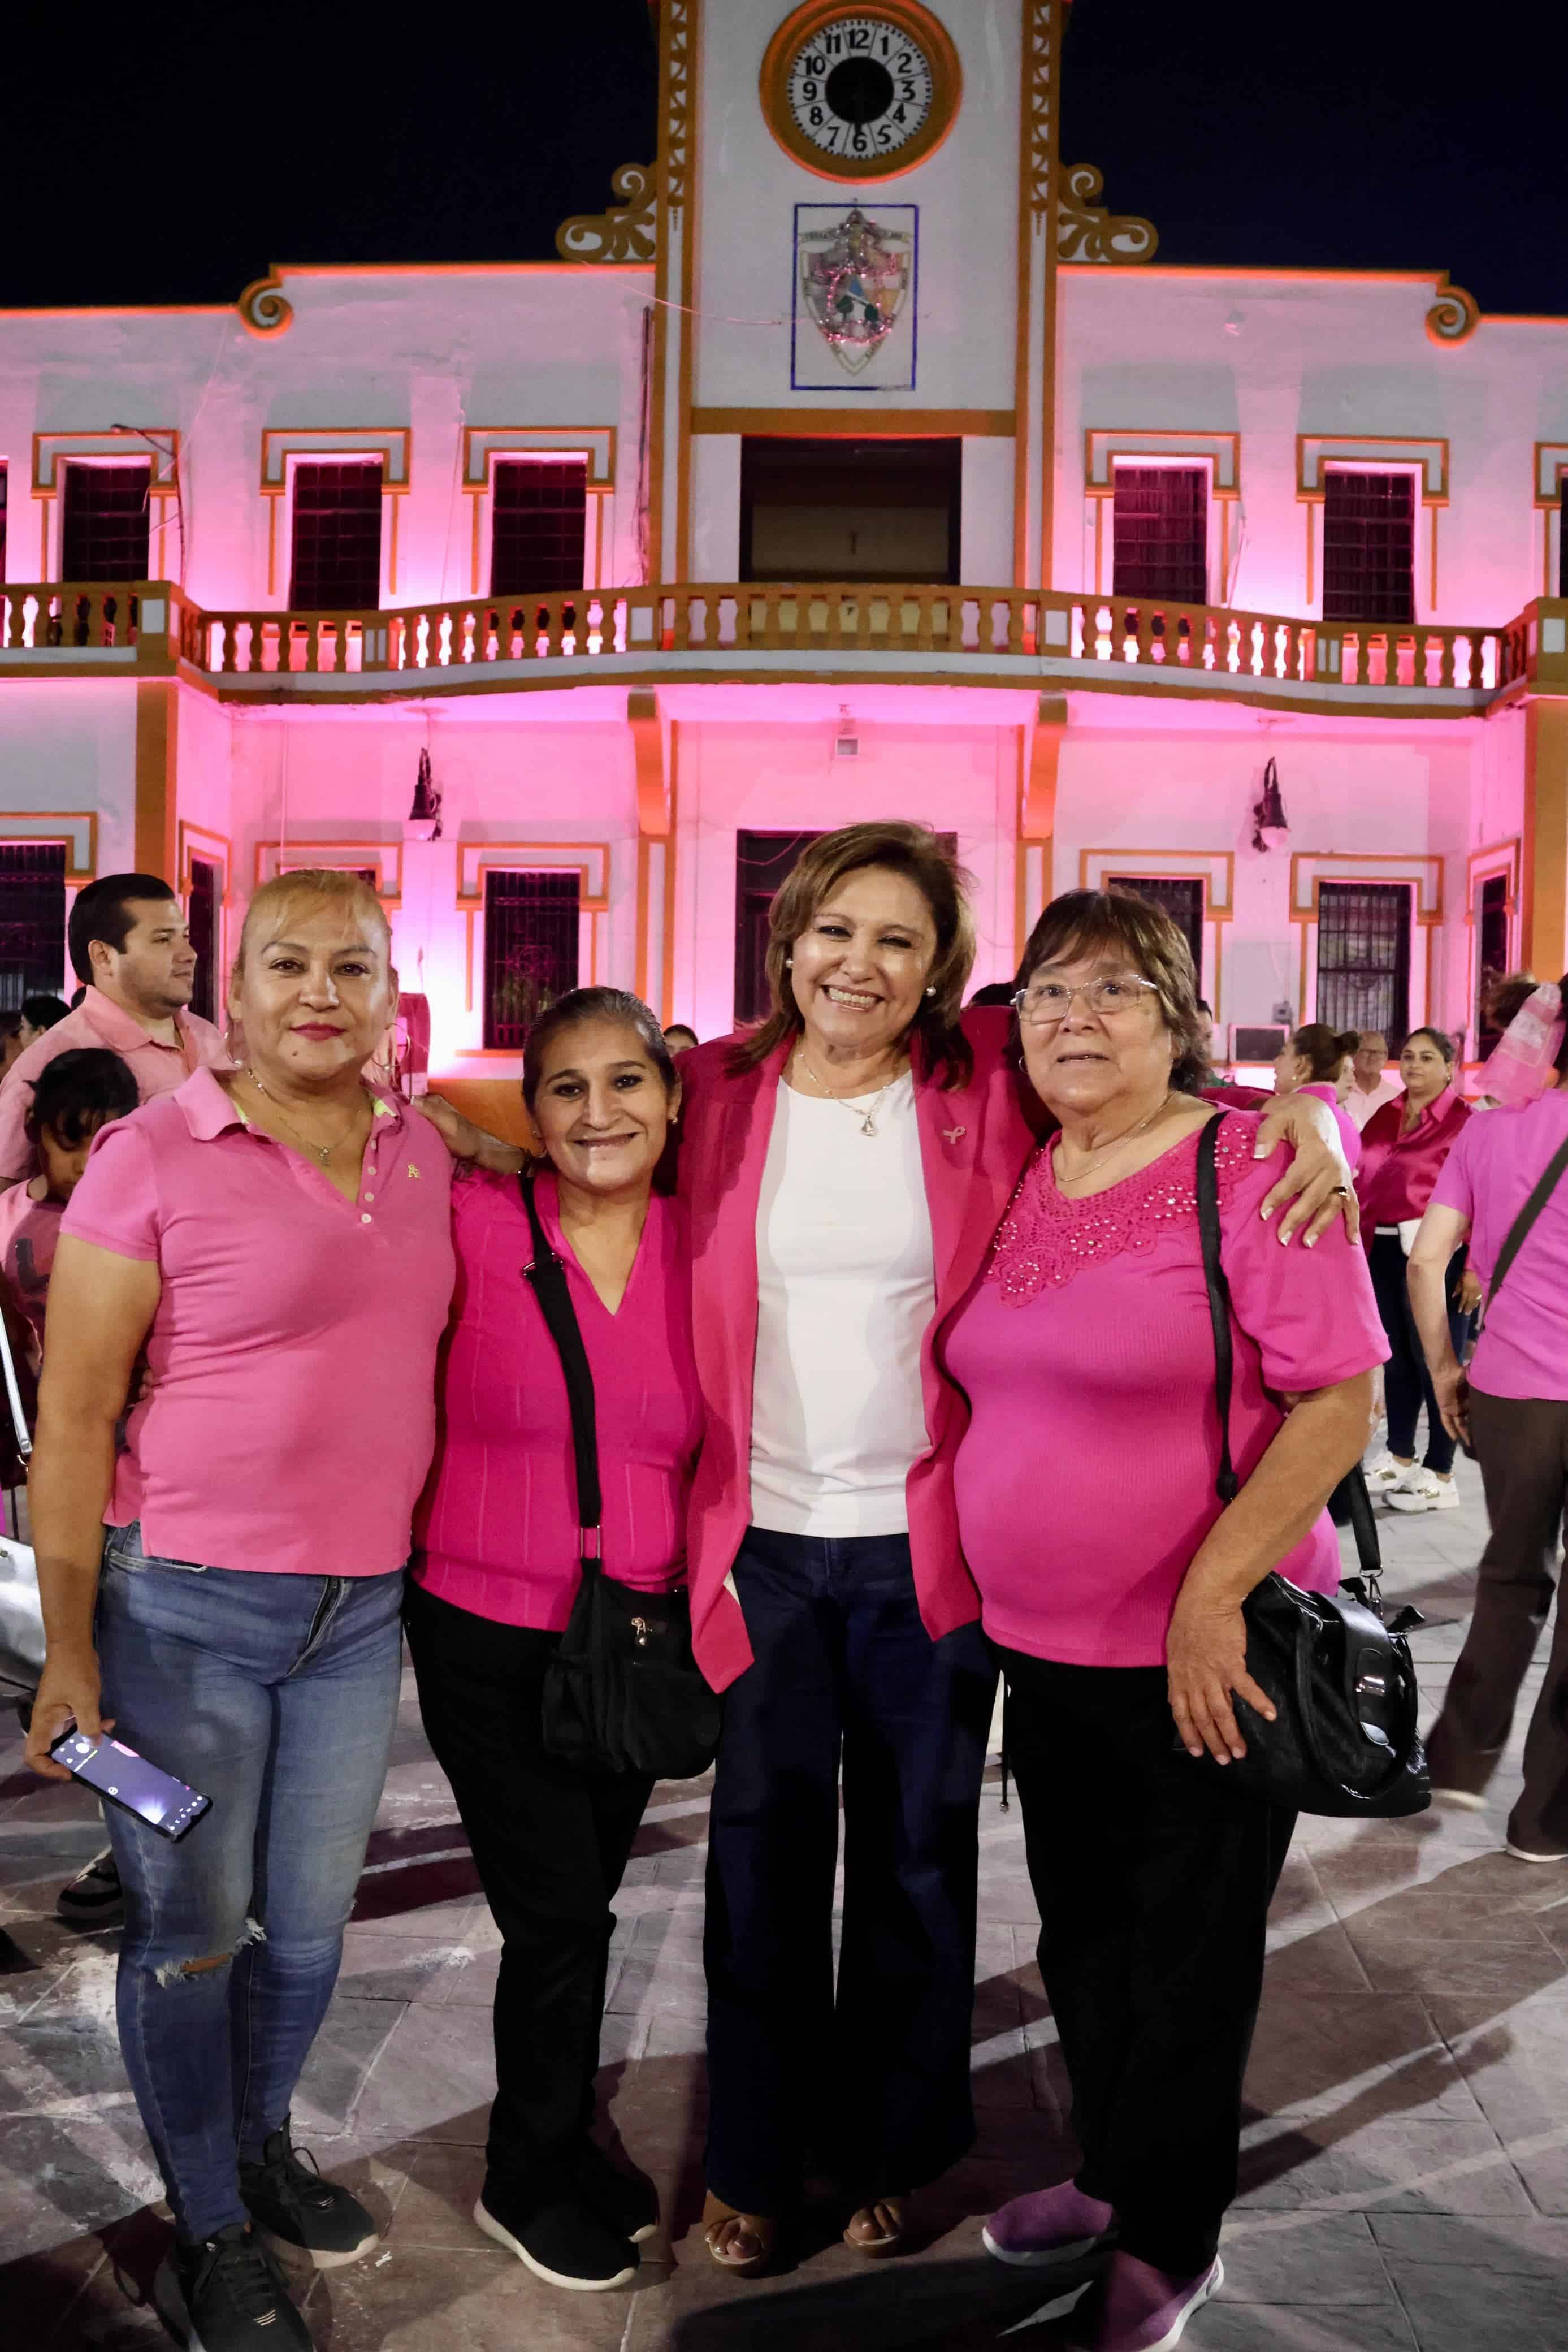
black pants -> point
(1407, 1383)
(877, 2080)
(551, 1844)
(1154, 1879)
(1522, 1446)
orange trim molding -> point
(275, 858)
(74, 829)
(394, 445)
(861, 423)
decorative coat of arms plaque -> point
(856, 294)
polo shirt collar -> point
(209, 1111)
(115, 1025)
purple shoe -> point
(1049, 2225)
(1136, 2308)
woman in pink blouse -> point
(1114, 1596)
(275, 1238)
(1316, 1059)
(495, 1572)
(1403, 1149)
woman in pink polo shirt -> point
(276, 1238)
(1111, 1582)
(495, 1572)
(1316, 1059)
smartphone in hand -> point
(128, 1780)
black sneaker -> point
(564, 2242)
(291, 2201)
(226, 2293)
(93, 1899)
(628, 2200)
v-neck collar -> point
(547, 1194)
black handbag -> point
(1345, 1740)
(623, 1693)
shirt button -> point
(365, 1221)
(366, 1196)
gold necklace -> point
(1126, 1136)
(322, 1152)
(847, 1102)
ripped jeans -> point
(277, 1698)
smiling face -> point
(861, 964)
(1093, 1064)
(601, 1108)
(314, 993)
(1423, 1068)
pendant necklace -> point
(868, 1119)
(320, 1152)
(1093, 1166)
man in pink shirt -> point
(130, 947)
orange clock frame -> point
(908, 17)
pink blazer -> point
(974, 1143)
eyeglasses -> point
(1046, 1001)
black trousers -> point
(1407, 1383)
(551, 1844)
(1154, 1879)
(1521, 1444)
(873, 2079)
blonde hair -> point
(313, 886)
(922, 857)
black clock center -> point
(859, 91)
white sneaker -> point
(1383, 1474)
(1521, 1853)
(1423, 1490)
(1459, 1801)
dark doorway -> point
(1491, 915)
(763, 864)
(201, 914)
(849, 510)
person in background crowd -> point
(278, 1239)
(1403, 1147)
(1504, 998)
(1370, 1088)
(129, 943)
(496, 1573)
(679, 1038)
(39, 1014)
(1214, 1085)
(1118, 1617)
(1316, 1060)
(1513, 1406)
(995, 992)
(844, 1166)
(75, 1095)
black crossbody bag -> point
(1345, 1740)
(623, 1693)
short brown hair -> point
(1083, 922)
(318, 886)
(1326, 1047)
(924, 858)
(616, 1005)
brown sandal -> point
(717, 2216)
(891, 2215)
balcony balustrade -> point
(905, 633)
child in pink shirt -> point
(73, 1097)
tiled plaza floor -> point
(1405, 2166)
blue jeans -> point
(277, 1698)
(871, 2073)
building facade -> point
(857, 461)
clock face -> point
(860, 94)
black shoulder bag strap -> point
(1227, 1484)
(547, 1276)
(1520, 1228)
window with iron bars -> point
(1369, 546)
(1182, 899)
(32, 920)
(538, 515)
(202, 908)
(1159, 521)
(530, 951)
(1490, 915)
(1364, 957)
(104, 527)
(337, 560)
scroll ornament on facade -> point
(627, 232)
(854, 279)
(1086, 231)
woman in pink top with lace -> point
(495, 1572)
(1112, 1584)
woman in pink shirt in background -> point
(1316, 1060)
(1403, 1148)
(276, 1237)
(1115, 1600)
(495, 1572)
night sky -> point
(177, 155)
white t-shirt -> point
(1361, 1107)
(846, 1289)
